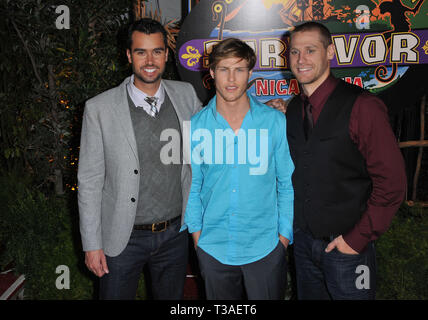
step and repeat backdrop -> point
(376, 41)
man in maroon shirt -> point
(349, 179)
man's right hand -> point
(96, 261)
(195, 236)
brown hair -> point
(231, 48)
(311, 25)
(147, 26)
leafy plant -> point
(39, 234)
(402, 256)
(47, 74)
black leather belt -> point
(156, 227)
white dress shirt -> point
(138, 96)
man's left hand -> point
(284, 241)
(278, 104)
(341, 245)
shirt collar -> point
(138, 95)
(319, 97)
(212, 104)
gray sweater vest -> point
(160, 196)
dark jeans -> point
(261, 280)
(165, 254)
(333, 275)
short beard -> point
(145, 80)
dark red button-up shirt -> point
(370, 129)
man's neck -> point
(310, 88)
(233, 111)
(149, 89)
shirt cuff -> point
(356, 241)
(194, 228)
(287, 233)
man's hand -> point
(195, 236)
(341, 245)
(278, 104)
(95, 260)
(284, 241)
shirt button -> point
(136, 171)
(233, 190)
(133, 199)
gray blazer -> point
(107, 161)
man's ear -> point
(128, 54)
(166, 54)
(212, 73)
(330, 51)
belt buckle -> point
(165, 223)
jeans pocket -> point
(282, 246)
(350, 255)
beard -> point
(147, 80)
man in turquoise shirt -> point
(240, 207)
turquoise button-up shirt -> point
(241, 196)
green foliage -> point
(47, 74)
(39, 234)
(402, 256)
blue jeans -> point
(333, 275)
(165, 253)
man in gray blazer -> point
(130, 198)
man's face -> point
(309, 59)
(231, 77)
(148, 57)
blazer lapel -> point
(121, 110)
(183, 114)
(172, 94)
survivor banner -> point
(376, 41)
